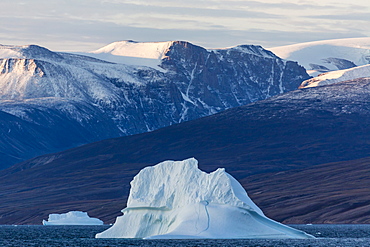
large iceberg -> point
(72, 218)
(176, 200)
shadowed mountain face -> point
(330, 193)
(294, 131)
(72, 99)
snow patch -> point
(7, 51)
(338, 76)
(153, 50)
(130, 52)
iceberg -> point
(72, 218)
(176, 200)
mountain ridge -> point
(298, 130)
(124, 99)
(337, 76)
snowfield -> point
(134, 53)
(338, 76)
(327, 55)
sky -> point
(86, 25)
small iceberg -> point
(72, 218)
(176, 200)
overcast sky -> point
(85, 25)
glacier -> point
(72, 218)
(176, 200)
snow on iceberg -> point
(176, 200)
(72, 218)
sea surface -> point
(40, 236)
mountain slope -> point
(100, 99)
(296, 130)
(327, 55)
(337, 76)
(326, 194)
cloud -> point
(231, 4)
(60, 35)
(359, 16)
(88, 24)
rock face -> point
(177, 200)
(71, 218)
(61, 100)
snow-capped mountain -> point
(148, 54)
(327, 55)
(338, 76)
(286, 136)
(60, 100)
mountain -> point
(61, 100)
(324, 194)
(260, 142)
(327, 55)
(130, 52)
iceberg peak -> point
(171, 184)
(174, 199)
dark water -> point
(327, 236)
